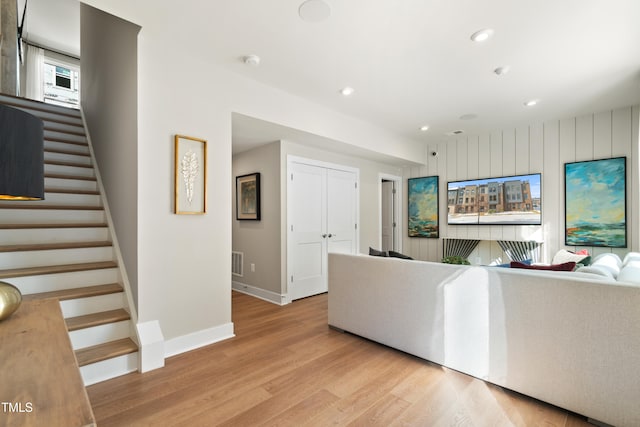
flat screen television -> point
(507, 200)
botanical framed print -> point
(248, 197)
(190, 175)
(423, 207)
(596, 203)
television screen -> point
(509, 200)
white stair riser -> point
(99, 334)
(53, 235)
(39, 216)
(70, 184)
(57, 145)
(69, 170)
(51, 134)
(97, 304)
(60, 281)
(64, 157)
(111, 368)
(29, 103)
(44, 115)
(24, 259)
(71, 199)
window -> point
(61, 83)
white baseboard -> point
(263, 294)
(198, 339)
(151, 346)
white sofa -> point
(566, 338)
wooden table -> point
(40, 382)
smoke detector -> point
(252, 60)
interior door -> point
(323, 218)
(388, 217)
(341, 211)
(308, 231)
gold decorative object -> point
(10, 299)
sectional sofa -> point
(568, 338)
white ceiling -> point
(411, 62)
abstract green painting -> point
(596, 203)
(423, 207)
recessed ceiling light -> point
(424, 128)
(502, 70)
(531, 102)
(314, 11)
(482, 35)
(468, 117)
(252, 60)
(347, 91)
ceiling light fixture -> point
(314, 11)
(347, 91)
(482, 35)
(531, 102)
(502, 70)
(251, 60)
(424, 128)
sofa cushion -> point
(596, 270)
(610, 261)
(630, 273)
(395, 254)
(631, 257)
(375, 252)
(566, 266)
(564, 255)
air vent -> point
(237, 263)
(455, 132)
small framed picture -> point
(248, 197)
(190, 175)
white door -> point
(323, 216)
(308, 230)
(341, 211)
(388, 216)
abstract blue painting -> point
(595, 203)
(423, 207)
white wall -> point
(539, 147)
(184, 261)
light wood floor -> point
(285, 367)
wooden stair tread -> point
(97, 319)
(44, 206)
(98, 353)
(84, 292)
(65, 141)
(71, 191)
(53, 246)
(70, 152)
(67, 176)
(70, 164)
(54, 269)
(51, 225)
(59, 121)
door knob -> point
(330, 234)
(324, 236)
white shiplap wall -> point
(539, 147)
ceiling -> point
(412, 62)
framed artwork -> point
(190, 175)
(423, 207)
(596, 203)
(248, 197)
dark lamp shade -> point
(21, 155)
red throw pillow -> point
(567, 266)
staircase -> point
(62, 248)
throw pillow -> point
(564, 255)
(609, 261)
(395, 254)
(630, 274)
(375, 252)
(566, 266)
(596, 270)
(631, 257)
